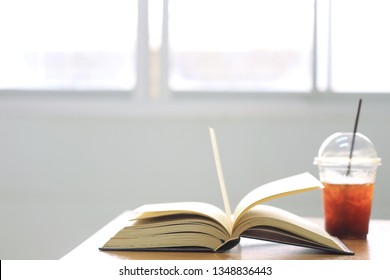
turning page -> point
(221, 179)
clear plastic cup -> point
(349, 183)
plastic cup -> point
(349, 183)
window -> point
(360, 57)
(195, 46)
(278, 46)
(245, 45)
(68, 45)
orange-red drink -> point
(347, 209)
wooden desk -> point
(376, 247)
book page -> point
(191, 208)
(263, 217)
(290, 185)
(221, 179)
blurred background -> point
(105, 105)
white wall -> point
(67, 168)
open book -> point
(196, 226)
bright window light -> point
(68, 44)
(360, 56)
(245, 45)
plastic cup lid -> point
(336, 149)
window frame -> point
(140, 93)
(141, 69)
(323, 94)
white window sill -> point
(120, 104)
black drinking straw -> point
(354, 136)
